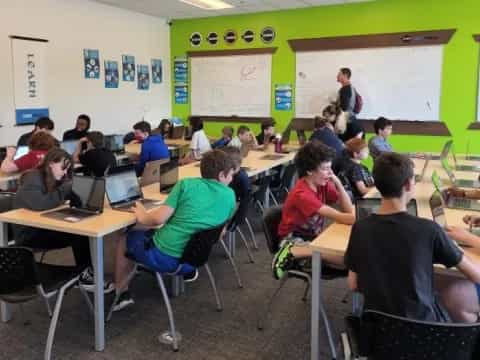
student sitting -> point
(200, 143)
(379, 143)
(227, 134)
(244, 139)
(358, 176)
(390, 255)
(80, 130)
(325, 133)
(308, 205)
(153, 147)
(165, 129)
(195, 204)
(268, 133)
(40, 143)
(45, 188)
(42, 124)
(96, 159)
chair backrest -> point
(18, 270)
(200, 245)
(6, 201)
(263, 186)
(288, 175)
(271, 220)
(413, 339)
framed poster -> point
(143, 77)
(111, 74)
(91, 59)
(128, 68)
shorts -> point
(141, 248)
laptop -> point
(123, 191)
(367, 206)
(151, 173)
(272, 157)
(114, 143)
(21, 151)
(419, 177)
(453, 202)
(177, 132)
(438, 214)
(448, 148)
(168, 176)
(458, 182)
(69, 146)
(87, 199)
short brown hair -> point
(320, 122)
(391, 172)
(215, 162)
(228, 130)
(41, 141)
(96, 138)
(235, 155)
(355, 145)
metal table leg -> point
(96, 249)
(316, 298)
(4, 307)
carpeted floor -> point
(207, 334)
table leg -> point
(4, 307)
(96, 249)
(316, 298)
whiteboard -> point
(396, 82)
(231, 85)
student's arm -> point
(33, 196)
(347, 213)
(345, 95)
(464, 236)
(78, 150)
(362, 189)
(143, 159)
(352, 280)
(156, 217)
(8, 164)
(470, 269)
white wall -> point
(70, 26)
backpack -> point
(358, 103)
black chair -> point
(261, 191)
(287, 178)
(380, 336)
(271, 221)
(22, 280)
(6, 204)
(233, 227)
(196, 253)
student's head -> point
(243, 133)
(165, 126)
(330, 113)
(44, 124)
(41, 141)
(357, 148)
(55, 167)
(320, 122)
(394, 176)
(268, 128)
(217, 165)
(383, 127)
(196, 124)
(95, 139)
(344, 75)
(83, 123)
(235, 156)
(227, 132)
(142, 130)
(314, 161)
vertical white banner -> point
(29, 59)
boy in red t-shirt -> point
(308, 205)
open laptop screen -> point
(69, 146)
(87, 193)
(436, 207)
(21, 151)
(168, 175)
(368, 206)
(114, 143)
(123, 187)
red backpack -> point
(358, 103)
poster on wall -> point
(91, 60)
(283, 97)
(29, 60)
(180, 68)
(181, 93)
(143, 77)
(111, 74)
(156, 71)
(128, 68)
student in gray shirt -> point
(379, 143)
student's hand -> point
(336, 181)
(455, 192)
(139, 211)
(11, 152)
(471, 220)
(82, 140)
(460, 234)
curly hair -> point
(310, 156)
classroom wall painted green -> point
(460, 64)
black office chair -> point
(271, 221)
(22, 279)
(196, 253)
(381, 336)
(287, 178)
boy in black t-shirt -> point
(96, 158)
(390, 254)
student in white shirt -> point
(199, 143)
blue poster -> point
(91, 60)
(180, 67)
(111, 74)
(143, 77)
(181, 94)
(128, 68)
(283, 97)
(156, 71)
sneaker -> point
(124, 300)
(87, 282)
(282, 261)
(191, 277)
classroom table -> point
(334, 239)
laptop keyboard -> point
(459, 202)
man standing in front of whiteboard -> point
(347, 102)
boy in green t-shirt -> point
(195, 204)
